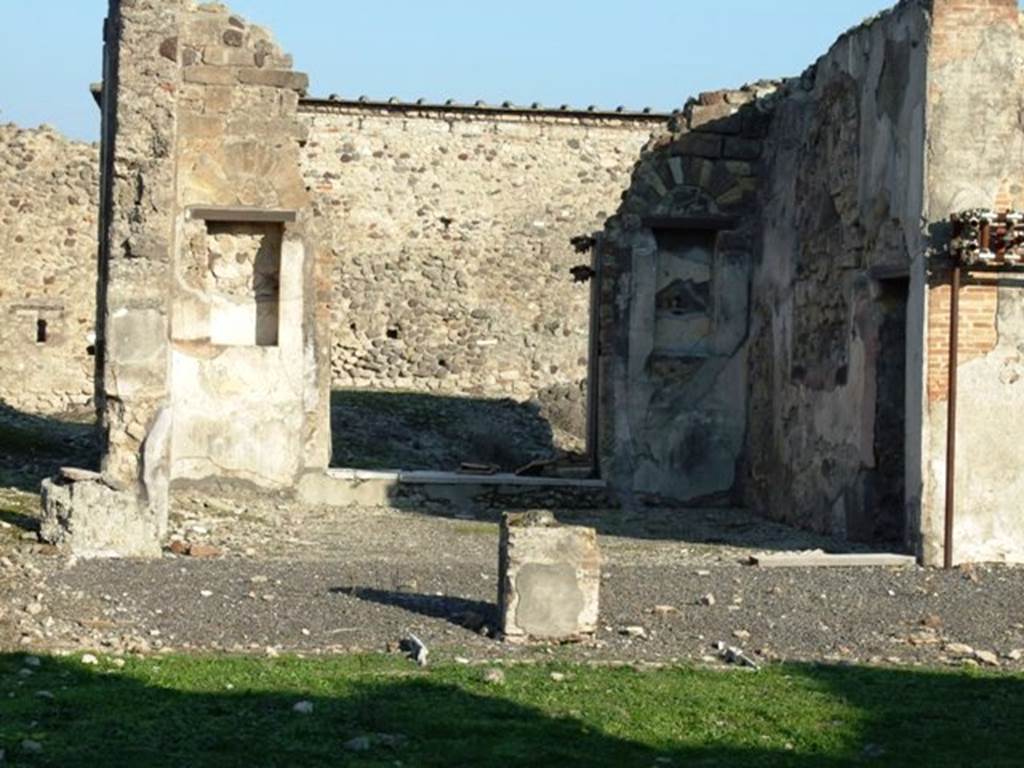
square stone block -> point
(549, 578)
(90, 519)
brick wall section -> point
(960, 29)
(978, 333)
(959, 25)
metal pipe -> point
(594, 364)
(954, 349)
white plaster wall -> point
(975, 70)
(239, 410)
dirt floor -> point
(413, 431)
(277, 577)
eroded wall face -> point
(450, 238)
(136, 247)
(827, 445)
(210, 299)
(447, 236)
(975, 151)
(49, 192)
(675, 266)
(248, 351)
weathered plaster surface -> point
(249, 355)
(199, 110)
(842, 210)
(444, 236)
(549, 578)
(675, 302)
(975, 151)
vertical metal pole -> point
(954, 348)
(594, 363)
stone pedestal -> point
(85, 514)
(549, 579)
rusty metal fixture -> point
(985, 238)
(982, 241)
(583, 243)
(582, 273)
(954, 350)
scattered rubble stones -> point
(110, 608)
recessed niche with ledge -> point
(684, 292)
(239, 255)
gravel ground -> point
(283, 578)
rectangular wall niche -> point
(684, 295)
(243, 261)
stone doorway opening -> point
(887, 487)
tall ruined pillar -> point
(212, 343)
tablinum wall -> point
(450, 229)
(447, 230)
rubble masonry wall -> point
(48, 224)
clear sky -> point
(607, 52)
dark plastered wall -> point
(842, 213)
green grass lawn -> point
(214, 711)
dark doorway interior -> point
(886, 488)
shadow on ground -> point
(414, 431)
(33, 448)
(179, 711)
(474, 615)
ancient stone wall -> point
(827, 443)
(975, 150)
(755, 292)
(49, 193)
(249, 349)
(450, 230)
(675, 266)
(212, 350)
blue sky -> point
(606, 52)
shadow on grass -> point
(180, 711)
(33, 448)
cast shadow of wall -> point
(417, 431)
(33, 447)
(900, 717)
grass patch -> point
(213, 711)
(476, 529)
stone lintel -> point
(242, 215)
(707, 223)
(275, 78)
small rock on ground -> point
(494, 676)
